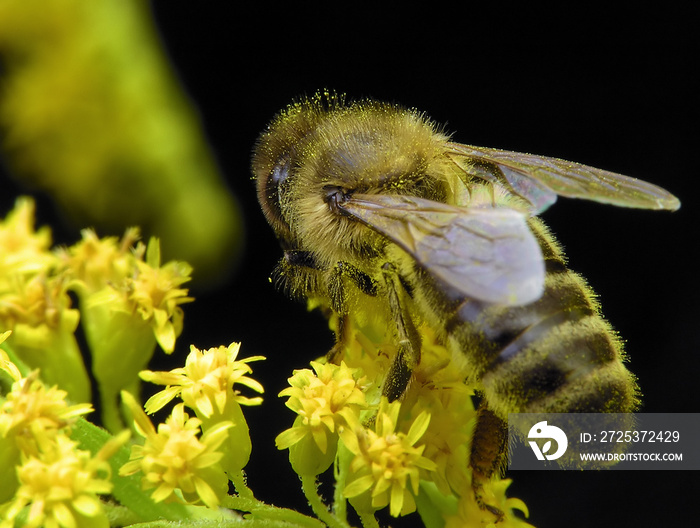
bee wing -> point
(486, 254)
(539, 179)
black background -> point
(616, 90)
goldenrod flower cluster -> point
(128, 304)
(56, 466)
(35, 305)
(403, 455)
(208, 385)
(51, 481)
(43, 467)
(387, 463)
(324, 400)
(176, 460)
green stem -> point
(340, 503)
(242, 488)
(260, 510)
(111, 415)
(368, 519)
(308, 485)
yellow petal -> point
(358, 486)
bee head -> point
(319, 152)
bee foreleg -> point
(409, 341)
(488, 454)
(335, 354)
(337, 295)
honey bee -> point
(372, 201)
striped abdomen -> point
(554, 355)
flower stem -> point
(310, 488)
(340, 503)
(368, 519)
(261, 511)
(242, 488)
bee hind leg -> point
(488, 455)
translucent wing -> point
(539, 179)
(486, 254)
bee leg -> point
(335, 354)
(488, 455)
(336, 289)
(408, 354)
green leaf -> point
(127, 490)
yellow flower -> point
(175, 460)
(37, 309)
(124, 319)
(470, 515)
(206, 382)
(31, 411)
(60, 484)
(22, 249)
(369, 347)
(147, 289)
(35, 305)
(207, 385)
(29, 415)
(323, 401)
(386, 469)
(156, 295)
(439, 388)
(97, 262)
(423, 438)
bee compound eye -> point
(276, 183)
(272, 189)
(279, 172)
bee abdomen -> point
(557, 354)
(573, 364)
